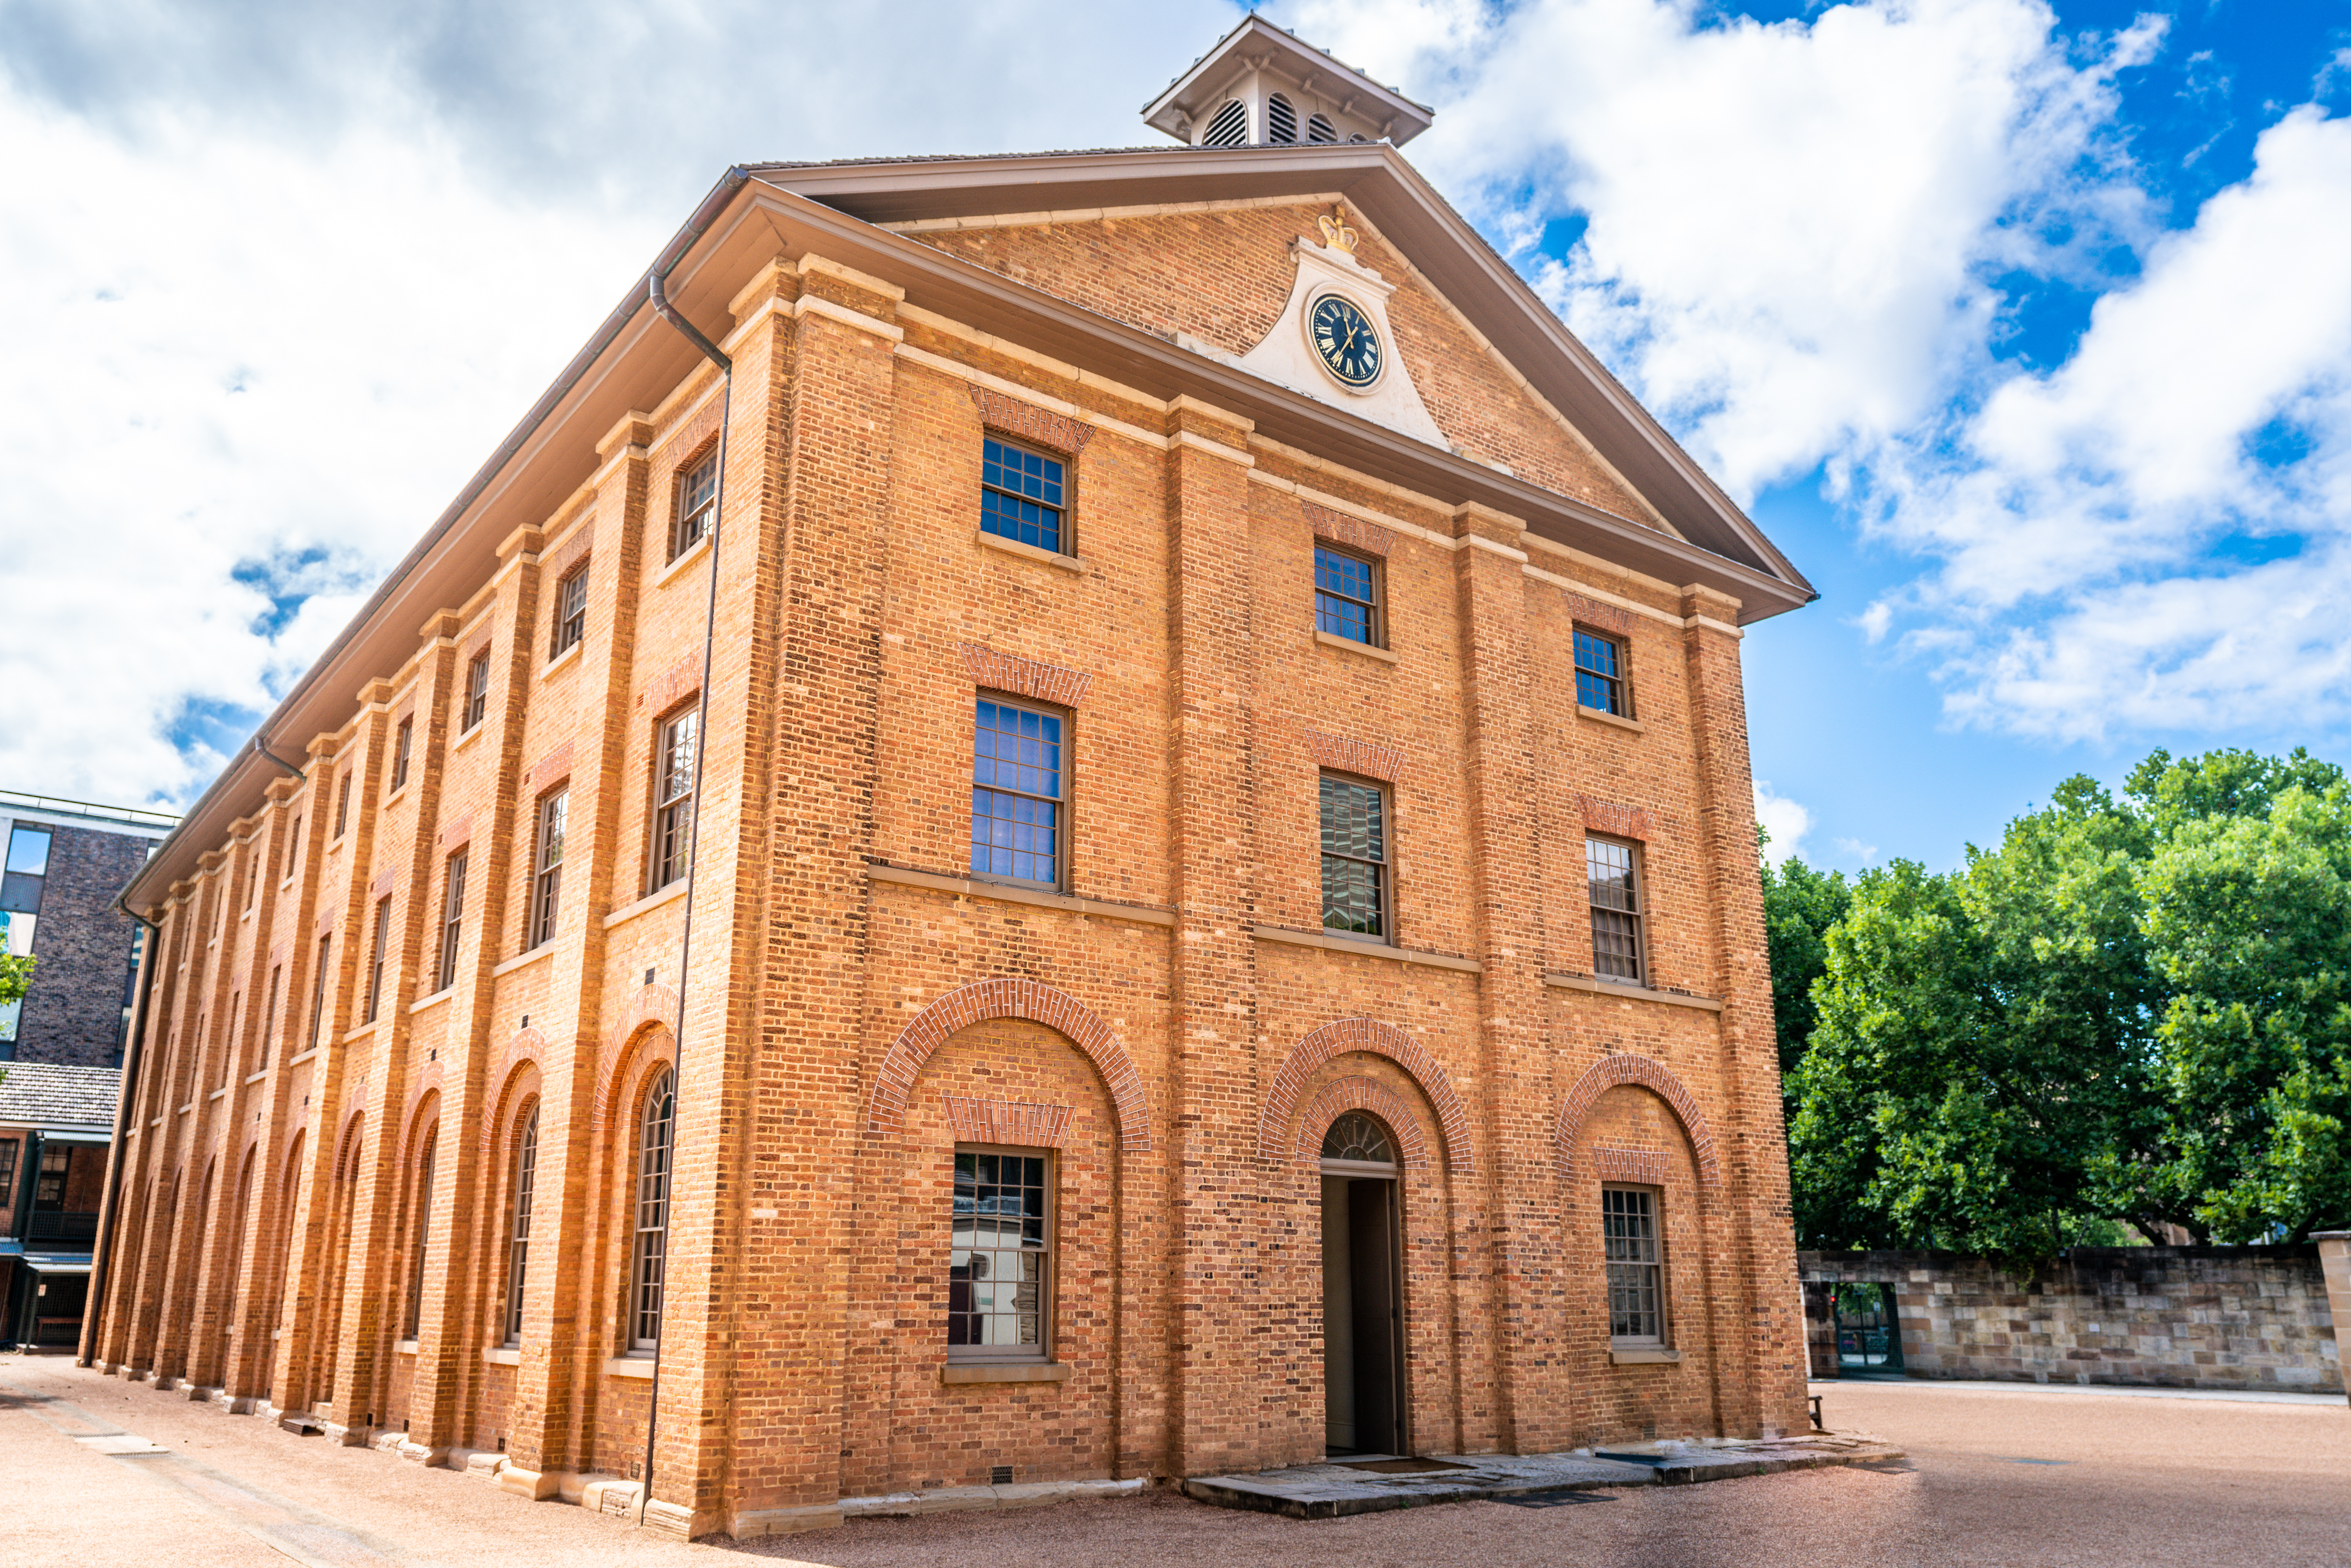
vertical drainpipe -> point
(734, 180)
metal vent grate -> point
(1229, 128)
(1000, 1476)
(1320, 130)
(1280, 121)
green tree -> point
(1799, 905)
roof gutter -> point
(569, 378)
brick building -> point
(66, 860)
(1055, 817)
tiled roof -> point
(48, 1094)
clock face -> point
(1344, 340)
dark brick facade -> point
(73, 1010)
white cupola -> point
(1260, 86)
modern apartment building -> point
(1055, 817)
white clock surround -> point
(1286, 354)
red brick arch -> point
(1335, 1098)
(1375, 1039)
(1649, 1073)
(1010, 999)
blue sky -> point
(2026, 331)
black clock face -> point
(1344, 340)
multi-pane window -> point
(697, 505)
(375, 962)
(343, 805)
(319, 989)
(1613, 872)
(525, 1169)
(453, 909)
(997, 1268)
(1637, 1274)
(652, 1214)
(1600, 670)
(570, 611)
(673, 797)
(423, 1222)
(293, 848)
(546, 867)
(1020, 494)
(1016, 793)
(1354, 857)
(477, 690)
(402, 740)
(268, 1020)
(1346, 596)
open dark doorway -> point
(1362, 1290)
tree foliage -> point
(2134, 1009)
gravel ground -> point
(2023, 1477)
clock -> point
(1345, 342)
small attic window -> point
(1359, 136)
(1320, 131)
(1280, 121)
(1229, 128)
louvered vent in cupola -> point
(1280, 121)
(1320, 131)
(1229, 128)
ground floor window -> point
(1000, 1266)
(1637, 1274)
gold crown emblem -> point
(1336, 232)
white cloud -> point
(280, 276)
(1854, 849)
(1785, 823)
(1797, 238)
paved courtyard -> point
(109, 1472)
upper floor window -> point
(999, 1261)
(547, 866)
(1614, 873)
(1600, 669)
(477, 690)
(1020, 494)
(673, 797)
(418, 1233)
(403, 741)
(1635, 1264)
(1354, 857)
(375, 963)
(1346, 596)
(696, 511)
(319, 989)
(343, 804)
(453, 913)
(570, 611)
(1016, 793)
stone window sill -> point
(1003, 1372)
(630, 1366)
(1010, 893)
(523, 960)
(361, 1032)
(1075, 565)
(393, 799)
(646, 904)
(304, 1056)
(435, 1000)
(1655, 1355)
(467, 737)
(692, 553)
(1367, 949)
(1619, 720)
(1348, 644)
(1563, 982)
(563, 659)
(405, 1347)
(502, 1355)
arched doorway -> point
(1362, 1289)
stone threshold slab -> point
(1334, 1491)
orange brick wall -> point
(844, 976)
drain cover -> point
(1553, 1499)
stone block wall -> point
(2185, 1317)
